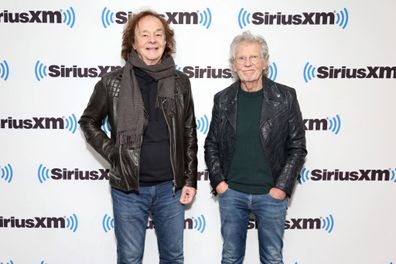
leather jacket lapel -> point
(271, 102)
(231, 106)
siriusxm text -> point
(369, 72)
(34, 222)
(31, 16)
(33, 123)
(305, 18)
(357, 175)
(77, 174)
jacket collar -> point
(271, 101)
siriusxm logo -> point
(203, 18)
(69, 222)
(67, 17)
(355, 175)
(272, 71)
(218, 73)
(6, 173)
(61, 71)
(107, 223)
(8, 262)
(203, 124)
(331, 72)
(195, 223)
(323, 223)
(69, 123)
(106, 126)
(339, 18)
(12, 262)
(203, 175)
(4, 70)
(209, 72)
(332, 124)
(64, 174)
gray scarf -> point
(131, 113)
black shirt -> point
(155, 164)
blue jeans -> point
(131, 212)
(270, 214)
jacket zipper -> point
(170, 147)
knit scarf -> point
(131, 113)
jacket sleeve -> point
(190, 139)
(295, 148)
(91, 121)
(212, 154)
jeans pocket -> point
(275, 199)
(224, 193)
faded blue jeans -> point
(270, 214)
(131, 213)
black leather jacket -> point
(124, 172)
(281, 128)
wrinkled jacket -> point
(124, 172)
(281, 128)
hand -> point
(187, 195)
(221, 187)
(277, 193)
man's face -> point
(248, 63)
(149, 40)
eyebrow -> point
(157, 30)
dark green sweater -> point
(249, 172)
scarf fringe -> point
(128, 139)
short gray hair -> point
(246, 36)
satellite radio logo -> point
(272, 71)
(106, 126)
(4, 70)
(8, 262)
(321, 223)
(107, 223)
(194, 223)
(218, 73)
(361, 175)
(41, 71)
(203, 175)
(65, 222)
(6, 173)
(209, 72)
(311, 72)
(200, 17)
(332, 124)
(67, 17)
(64, 174)
(339, 18)
(63, 123)
(203, 124)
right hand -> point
(221, 187)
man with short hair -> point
(254, 151)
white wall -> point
(339, 220)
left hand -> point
(187, 195)
(277, 193)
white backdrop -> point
(339, 56)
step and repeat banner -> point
(55, 204)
